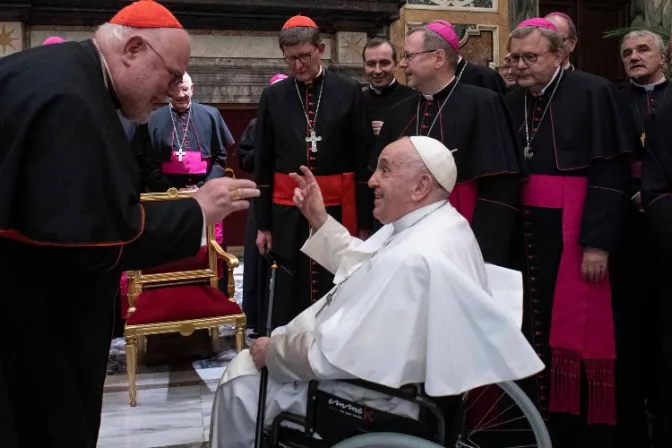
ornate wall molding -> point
(367, 16)
(465, 31)
(455, 5)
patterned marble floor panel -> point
(174, 401)
(163, 417)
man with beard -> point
(567, 32)
(575, 139)
(384, 91)
(319, 119)
(469, 120)
(70, 209)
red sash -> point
(582, 325)
(337, 190)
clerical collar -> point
(410, 219)
(650, 87)
(385, 89)
(543, 91)
(180, 112)
(441, 93)
(316, 79)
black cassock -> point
(379, 101)
(476, 123)
(203, 137)
(254, 275)
(339, 164)
(576, 197)
(657, 199)
(70, 211)
(480, 76)
(642, 261)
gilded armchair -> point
(180, 297)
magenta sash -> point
(463, 198)
(192, 163)
(582, 327)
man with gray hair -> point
(567, 32)
(472, 120)
(643, 54)
(316, 118)
(189, 142)
(70, 209)
(424, 264)
(574, 137)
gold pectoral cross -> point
(643, 137)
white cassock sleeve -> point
(297, 357)
(329, 244)
(294, 355)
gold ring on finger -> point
(235, 195)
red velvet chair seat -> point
(177, 303)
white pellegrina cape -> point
(417, 304)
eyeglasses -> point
(303, 58)
(408, 57)
(528, 58)
(176, 75)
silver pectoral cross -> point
(527, 152)
(179, 154)
(313, 139)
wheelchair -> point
(456, 422)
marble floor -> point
(173, 404)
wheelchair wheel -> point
(387, 440)
(500, 416)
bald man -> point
(567, 32)
(188, 142)
(70, 210)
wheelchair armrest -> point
(406, 392)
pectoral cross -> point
(179, 154)
(313, 139)
(643, 137)
(528, 152)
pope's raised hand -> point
(220, 197)
(308, 198)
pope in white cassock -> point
(414, 303)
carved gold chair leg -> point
(214, 334)
(142, 350)
(131, 366)
(240, 333)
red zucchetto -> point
(146, 14)
(299, 22)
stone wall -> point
(482, 25)
(226, 67)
